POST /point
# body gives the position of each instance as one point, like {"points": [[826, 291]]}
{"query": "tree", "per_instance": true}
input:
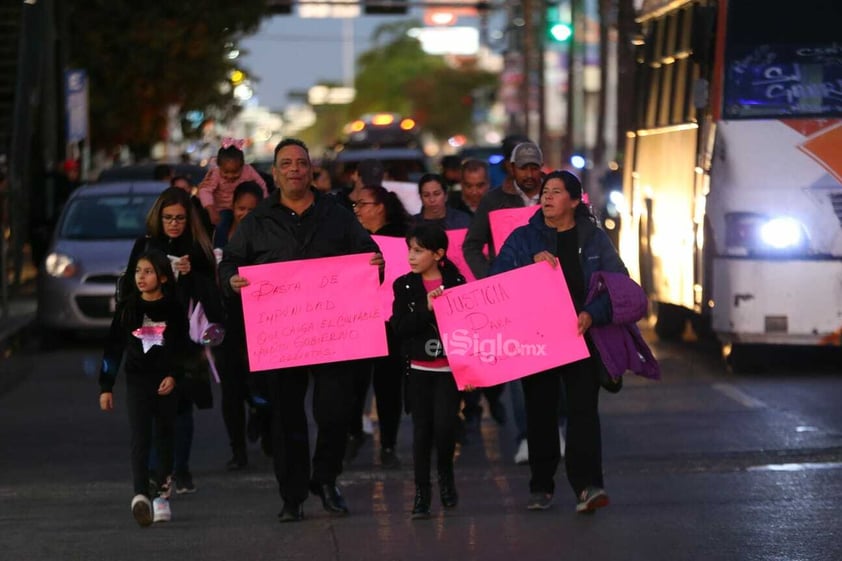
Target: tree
{"points": [[398, 76], [142, 59]]}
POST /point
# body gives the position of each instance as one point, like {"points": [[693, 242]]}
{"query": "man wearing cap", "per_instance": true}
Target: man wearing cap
{"points": [[521, 188]]}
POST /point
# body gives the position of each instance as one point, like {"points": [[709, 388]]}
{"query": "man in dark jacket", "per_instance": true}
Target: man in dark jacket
{"points": [[298, 222]]}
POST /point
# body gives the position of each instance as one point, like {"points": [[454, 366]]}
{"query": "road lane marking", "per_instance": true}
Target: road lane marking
{"points": [[739, 396]]}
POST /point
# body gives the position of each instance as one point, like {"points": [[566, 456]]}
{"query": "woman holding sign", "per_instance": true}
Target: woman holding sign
{"points": [[433, 396], [382, 213], [564, 233]]}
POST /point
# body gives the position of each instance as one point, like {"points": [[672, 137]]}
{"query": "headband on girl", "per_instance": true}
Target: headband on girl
{"points": [[237, 143]]}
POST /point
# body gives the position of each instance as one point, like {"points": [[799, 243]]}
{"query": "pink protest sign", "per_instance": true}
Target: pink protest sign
{"points": [[312, 311], [395, 254], [504, 221], [454, 252], [508, 326]]}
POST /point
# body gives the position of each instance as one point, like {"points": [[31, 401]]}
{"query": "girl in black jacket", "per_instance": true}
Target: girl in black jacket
{"points": [[150, 328], [432, 393]]}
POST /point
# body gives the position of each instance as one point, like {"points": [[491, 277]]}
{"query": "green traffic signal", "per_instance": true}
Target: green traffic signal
{"points": [[559, 28], [560, 32]]}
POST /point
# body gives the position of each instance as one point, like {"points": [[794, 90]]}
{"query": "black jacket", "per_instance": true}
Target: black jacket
{"points": [[199, 285], [272, 233], [412, 322], [162, 359]]}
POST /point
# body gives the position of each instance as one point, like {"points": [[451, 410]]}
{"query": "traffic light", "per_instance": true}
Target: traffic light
{"points": [[279, 7], [559, 28], [385, 7]]}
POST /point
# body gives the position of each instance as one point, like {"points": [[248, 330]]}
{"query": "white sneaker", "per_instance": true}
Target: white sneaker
{"points": [[162, 510], [142, 510], [522, 454], [561, 442]]}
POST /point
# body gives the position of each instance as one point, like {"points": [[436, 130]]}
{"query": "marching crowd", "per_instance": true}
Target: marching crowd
{"points": [[179, 323]]}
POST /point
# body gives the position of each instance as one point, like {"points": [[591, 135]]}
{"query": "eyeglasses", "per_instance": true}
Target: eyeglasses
{"points": [[173, 218], [355, 204]]}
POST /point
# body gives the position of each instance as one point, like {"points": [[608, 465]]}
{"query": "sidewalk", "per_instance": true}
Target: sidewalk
{"points": [[18, 315]]}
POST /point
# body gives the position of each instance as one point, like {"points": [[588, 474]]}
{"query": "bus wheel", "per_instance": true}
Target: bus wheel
{"points": [[745, 359], [671, 322]]}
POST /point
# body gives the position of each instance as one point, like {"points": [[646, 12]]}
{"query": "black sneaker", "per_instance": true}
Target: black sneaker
{"points": [[389, 459], [236, 463], [421, 504], [591, 499], [353, 446], [184, 484], [291, 512], [539, 501]]}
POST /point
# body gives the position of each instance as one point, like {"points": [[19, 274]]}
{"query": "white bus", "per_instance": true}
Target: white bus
{"points": [[733, 172]]}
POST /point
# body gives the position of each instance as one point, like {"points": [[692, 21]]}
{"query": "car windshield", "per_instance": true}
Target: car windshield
{"points": [[106, 217]]}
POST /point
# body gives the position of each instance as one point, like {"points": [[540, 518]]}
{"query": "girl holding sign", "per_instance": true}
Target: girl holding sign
{"points": [[564, 233], [432, 394]]}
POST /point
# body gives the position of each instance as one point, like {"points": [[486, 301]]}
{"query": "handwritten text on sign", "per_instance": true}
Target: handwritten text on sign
{"points": [[312, 311], [508, 326], [504, 221]]}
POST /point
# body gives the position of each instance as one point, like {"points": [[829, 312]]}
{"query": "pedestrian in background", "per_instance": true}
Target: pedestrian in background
{"points": [[381, 213], [563, 232], [233, 362], [474, 185], [432, 188], [150, 328], [432, 394], [216, 191]]}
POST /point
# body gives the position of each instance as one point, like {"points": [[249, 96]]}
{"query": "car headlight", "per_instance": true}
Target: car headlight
{"points": [[60, 266], [748, 233]]}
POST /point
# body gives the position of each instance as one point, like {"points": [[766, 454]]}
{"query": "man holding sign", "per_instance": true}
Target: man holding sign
{"points": [[297, 222]]}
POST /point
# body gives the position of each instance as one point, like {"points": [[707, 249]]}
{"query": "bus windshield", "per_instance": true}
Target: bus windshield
{"points": [[784, 62]]}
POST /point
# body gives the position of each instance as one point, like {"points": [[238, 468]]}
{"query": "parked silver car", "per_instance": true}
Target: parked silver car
{"points": [[88, 251]]}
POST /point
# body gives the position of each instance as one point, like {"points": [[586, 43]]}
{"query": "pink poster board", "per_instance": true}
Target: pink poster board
{"points": [[312, 311], [504, 221], [508, 326], [454, 252], [395, 254]]}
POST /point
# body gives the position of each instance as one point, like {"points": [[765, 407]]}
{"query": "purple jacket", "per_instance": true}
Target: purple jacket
{"points": [[620, 344]]}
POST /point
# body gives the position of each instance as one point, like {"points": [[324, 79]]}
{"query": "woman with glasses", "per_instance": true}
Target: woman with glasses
{"points": [[382, 214], [173, 226], [563, 232]]}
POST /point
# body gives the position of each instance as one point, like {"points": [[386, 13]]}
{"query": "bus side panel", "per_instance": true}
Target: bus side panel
{"points": [[776, 302], [663, 195]]}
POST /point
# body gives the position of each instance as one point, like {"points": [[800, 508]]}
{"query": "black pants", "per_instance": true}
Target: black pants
{"points": [[583, 455], [434, 405], [146, 408], [290, 441], [233, 374]]}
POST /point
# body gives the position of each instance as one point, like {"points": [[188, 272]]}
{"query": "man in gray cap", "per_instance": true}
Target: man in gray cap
{"points": [[521, 188], [524, 190]]}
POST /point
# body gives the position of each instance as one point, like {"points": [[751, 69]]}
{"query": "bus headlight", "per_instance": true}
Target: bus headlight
{"points": [[782, 233], [749, 233]]}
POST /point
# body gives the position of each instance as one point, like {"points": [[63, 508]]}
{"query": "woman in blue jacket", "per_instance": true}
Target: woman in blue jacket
{"points": [[564, 232]]}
